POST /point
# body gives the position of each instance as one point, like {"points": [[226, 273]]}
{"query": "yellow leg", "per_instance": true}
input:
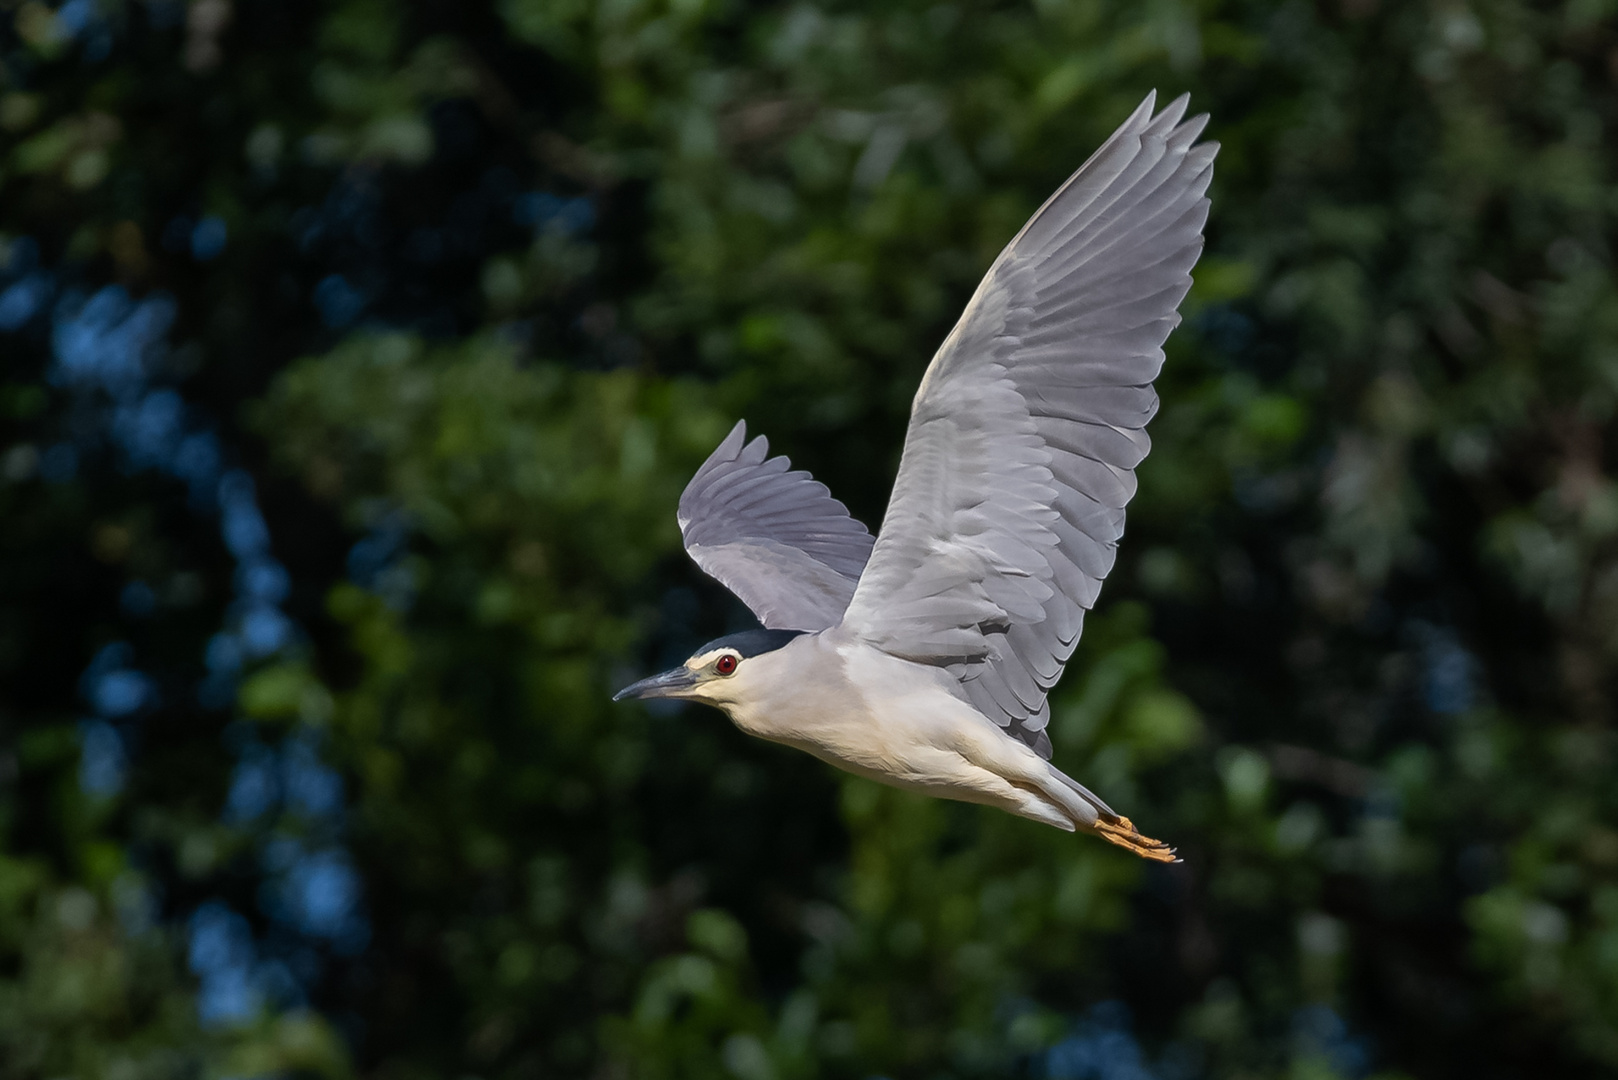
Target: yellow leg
{"points": [[1121, 831]]}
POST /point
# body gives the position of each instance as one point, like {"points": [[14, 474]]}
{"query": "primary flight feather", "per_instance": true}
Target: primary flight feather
{"points": [[923, 658]]}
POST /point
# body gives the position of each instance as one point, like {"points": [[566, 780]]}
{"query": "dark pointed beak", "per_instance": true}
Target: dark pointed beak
{"points": [[669, 684]]}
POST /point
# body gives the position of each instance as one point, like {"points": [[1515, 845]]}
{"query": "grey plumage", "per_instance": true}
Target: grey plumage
{"points": [[1053, 362], [1009, 501], [777, 539]]}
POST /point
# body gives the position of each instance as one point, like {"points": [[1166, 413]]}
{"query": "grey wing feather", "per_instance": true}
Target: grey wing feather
{"points": [[774, 537], [1023, 439]]}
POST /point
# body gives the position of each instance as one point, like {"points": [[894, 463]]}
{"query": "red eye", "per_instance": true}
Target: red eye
{"points": [[725, 665]]}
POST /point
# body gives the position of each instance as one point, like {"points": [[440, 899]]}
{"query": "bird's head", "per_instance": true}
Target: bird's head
{"points": [[719, 673]]}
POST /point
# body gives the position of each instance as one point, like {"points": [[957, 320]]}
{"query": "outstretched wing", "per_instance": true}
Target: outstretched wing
{"points": [[777, 539], [1028, 425]]}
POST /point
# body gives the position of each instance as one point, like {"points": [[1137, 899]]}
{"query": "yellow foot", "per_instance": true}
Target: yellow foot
{"points": [[1121, 831]]}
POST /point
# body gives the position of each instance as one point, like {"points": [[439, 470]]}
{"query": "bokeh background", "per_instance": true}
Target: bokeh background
{"points": [[353, 355]]}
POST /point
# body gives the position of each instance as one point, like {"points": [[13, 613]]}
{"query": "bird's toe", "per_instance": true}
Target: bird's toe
{"points": [[1121, 831]]}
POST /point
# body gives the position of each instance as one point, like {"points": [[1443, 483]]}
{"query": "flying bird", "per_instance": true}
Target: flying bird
{"points": [[922, 658]]}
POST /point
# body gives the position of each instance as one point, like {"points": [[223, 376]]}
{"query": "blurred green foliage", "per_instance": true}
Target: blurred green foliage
{"points": [[493, 279]]}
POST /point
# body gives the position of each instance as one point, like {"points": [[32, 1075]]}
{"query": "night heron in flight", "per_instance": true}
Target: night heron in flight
{"points": [[922, 658]]}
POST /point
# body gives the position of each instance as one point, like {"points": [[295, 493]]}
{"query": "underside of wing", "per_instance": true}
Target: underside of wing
{"points": [[773, 536], [1028, 425]]}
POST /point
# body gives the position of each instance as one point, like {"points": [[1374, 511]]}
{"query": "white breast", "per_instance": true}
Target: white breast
{"points": [[854, 706]]}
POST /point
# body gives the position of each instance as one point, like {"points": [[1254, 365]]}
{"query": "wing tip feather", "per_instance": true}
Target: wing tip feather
{"points": [[731, 444], [1169, 117], [1143, 111]]}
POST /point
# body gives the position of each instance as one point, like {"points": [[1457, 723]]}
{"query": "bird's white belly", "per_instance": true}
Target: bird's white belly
{"points": [[888, 719], [898, 723]]}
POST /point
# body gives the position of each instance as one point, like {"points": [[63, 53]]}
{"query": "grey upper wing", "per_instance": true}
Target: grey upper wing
{"points": [[775, 538], [1029, 422]]}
